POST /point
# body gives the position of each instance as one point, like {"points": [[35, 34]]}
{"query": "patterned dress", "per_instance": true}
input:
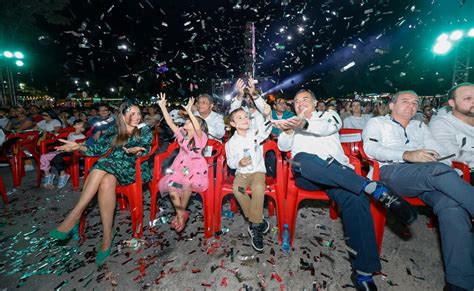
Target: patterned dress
{"points": [[189, 169], [118, 162]]}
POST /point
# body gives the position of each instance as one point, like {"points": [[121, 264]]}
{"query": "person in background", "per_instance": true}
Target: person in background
{"points": [[74, 116], [321, 106], [346, 111], [35, 114], [356, 119], [214, 120], [380, 109], [56, 159], [101, 123], [3, 117], [368, 109], [20, 121], [64, 118], [50, 122], [93, 113], [455, 129], [152, 117], [280, 111]]}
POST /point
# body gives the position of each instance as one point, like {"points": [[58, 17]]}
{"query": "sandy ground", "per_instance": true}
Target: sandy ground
{"points": [[29, 260]]}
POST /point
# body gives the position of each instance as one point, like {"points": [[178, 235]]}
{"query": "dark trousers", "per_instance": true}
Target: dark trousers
{"points": [[452, 200], [344, 186], [58, 161]]}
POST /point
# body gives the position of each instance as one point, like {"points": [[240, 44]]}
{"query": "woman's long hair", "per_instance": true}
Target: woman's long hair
{"points": [[204, 129], [122, 135]]}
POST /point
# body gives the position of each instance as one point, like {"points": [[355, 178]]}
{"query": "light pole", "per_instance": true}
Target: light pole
{"points": [[8, 57], [462, 41]]}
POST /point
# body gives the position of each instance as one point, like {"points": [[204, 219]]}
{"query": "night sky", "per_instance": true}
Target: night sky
{"points": [[389, 41]]}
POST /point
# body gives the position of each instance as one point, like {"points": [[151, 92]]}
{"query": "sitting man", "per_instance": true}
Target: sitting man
{"points": [[455, 129], [319, 163], [408, 155], [214, 120]]}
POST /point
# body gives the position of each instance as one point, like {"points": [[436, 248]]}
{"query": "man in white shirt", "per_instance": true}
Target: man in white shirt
{"points": [[455, 129], [214, 121], [409, 166], [357, 119], [319, 163]]}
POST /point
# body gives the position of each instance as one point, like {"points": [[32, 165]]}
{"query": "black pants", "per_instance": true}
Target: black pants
{"points": [[58, 161]]}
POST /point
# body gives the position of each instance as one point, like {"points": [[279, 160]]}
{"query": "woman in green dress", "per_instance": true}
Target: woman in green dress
{"points": [[126, 141]]}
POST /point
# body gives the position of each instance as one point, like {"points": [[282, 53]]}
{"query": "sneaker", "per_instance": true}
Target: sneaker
{"points": [[398, 206], [256, 236], [48, 181], [363, 283], [265, 226], [29, 168], [62, 181]]}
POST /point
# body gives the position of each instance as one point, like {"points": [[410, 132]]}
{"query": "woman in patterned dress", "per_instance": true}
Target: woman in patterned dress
{"points": [[189, 172], [126, 141]]}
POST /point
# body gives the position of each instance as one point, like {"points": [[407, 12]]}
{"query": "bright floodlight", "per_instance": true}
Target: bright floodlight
{"points": [[228, 97], [470, 33], [443, 37], [112, 89], [442, 47], [456, 35], [19, 55], [19, 63], [8, 54]]}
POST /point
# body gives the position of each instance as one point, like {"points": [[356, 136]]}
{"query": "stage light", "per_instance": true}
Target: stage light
{"points": [[442, 37], [19, 63], [471, 32], [456, 35], [19, 55], [8, 54], [442, 47]]}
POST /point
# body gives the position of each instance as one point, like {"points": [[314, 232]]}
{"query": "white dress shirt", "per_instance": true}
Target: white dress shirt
{"points": [[49, 126], [215, 125], [234, 150], [456, 136], [358, 122], [386, 140], [321, 138], [256, 117]]}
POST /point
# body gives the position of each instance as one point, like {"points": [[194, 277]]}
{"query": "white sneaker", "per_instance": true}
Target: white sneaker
{"points": [[62, 181]]}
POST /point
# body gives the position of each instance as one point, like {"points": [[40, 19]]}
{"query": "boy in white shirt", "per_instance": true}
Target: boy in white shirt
{"points": [[245, 153]]}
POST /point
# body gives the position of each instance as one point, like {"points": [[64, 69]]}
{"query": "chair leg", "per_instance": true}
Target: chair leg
{"points": [[233, 205], [291, 212], [333, 210], [208, 205], [153, 199], [271, 208], [379, 214], [3, 191], [217, 209], [122, 202]]}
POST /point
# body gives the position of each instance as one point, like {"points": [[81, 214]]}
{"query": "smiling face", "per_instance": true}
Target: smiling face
{"points": [[304, 100], [240, 120], [204, 105], [356, 108], [133, 116], [404, 108]]}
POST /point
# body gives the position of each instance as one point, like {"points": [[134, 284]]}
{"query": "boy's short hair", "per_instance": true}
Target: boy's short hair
{"points": [[85, 124], [231, 115]]}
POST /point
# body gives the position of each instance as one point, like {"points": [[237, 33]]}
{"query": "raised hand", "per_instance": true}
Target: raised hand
{"points": [[162, 102], [239, 88], [251, 87], [267, 110], [68, 146], [189, 106]]}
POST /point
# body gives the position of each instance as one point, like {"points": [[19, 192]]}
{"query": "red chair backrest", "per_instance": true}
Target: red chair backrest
{"points": [[351, 141], [27, 140]]}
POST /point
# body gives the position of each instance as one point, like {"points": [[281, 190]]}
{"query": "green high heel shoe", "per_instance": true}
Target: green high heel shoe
{"points": [[74, 232], [102, 255]]}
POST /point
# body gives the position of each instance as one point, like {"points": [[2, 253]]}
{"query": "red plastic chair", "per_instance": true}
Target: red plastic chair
{"points": [[465, 169], [24, 147], [207, 196], [295, 195], [3, 191], [274, 187], [133, 192]]}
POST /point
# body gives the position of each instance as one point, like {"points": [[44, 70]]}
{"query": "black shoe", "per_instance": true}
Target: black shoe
{"points": [[451, 287], [368, 285], [397, 205], [256, 236], [265, 226]]}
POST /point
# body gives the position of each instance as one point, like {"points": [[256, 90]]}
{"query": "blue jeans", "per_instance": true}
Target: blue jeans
{"points": [[452, 200], [344, 186]]}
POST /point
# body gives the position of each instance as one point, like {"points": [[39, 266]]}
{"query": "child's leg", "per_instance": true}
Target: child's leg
{"points": [[241, 183], [186, 195], [45, 162], [59, 164], [257, 185]]}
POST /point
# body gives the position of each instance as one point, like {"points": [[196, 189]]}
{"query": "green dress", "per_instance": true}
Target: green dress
{"points": [[118, 162]]}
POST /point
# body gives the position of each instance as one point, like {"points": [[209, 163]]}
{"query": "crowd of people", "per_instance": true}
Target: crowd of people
{"points": [[415, 151]]}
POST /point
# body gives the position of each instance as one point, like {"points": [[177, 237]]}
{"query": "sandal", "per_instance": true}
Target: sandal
{"points": [[174, 222], [179, 228]]}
